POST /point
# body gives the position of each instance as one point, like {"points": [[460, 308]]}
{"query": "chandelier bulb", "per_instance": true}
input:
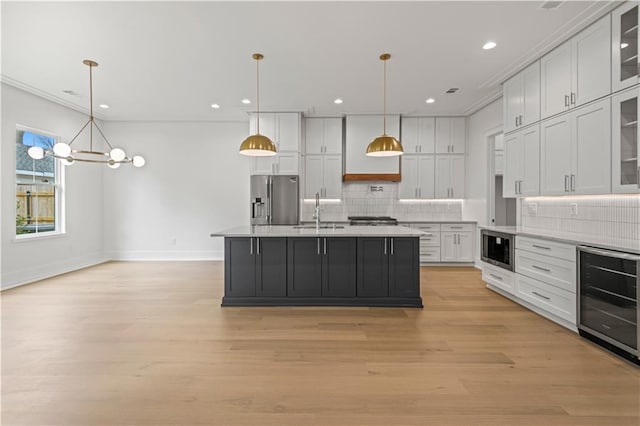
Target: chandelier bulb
{"points": [[138, 161], [36, 152], [61, 149], [117, 154]]}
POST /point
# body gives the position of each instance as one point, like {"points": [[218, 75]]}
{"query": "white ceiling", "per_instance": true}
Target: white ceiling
{"points": [[171, 60]]}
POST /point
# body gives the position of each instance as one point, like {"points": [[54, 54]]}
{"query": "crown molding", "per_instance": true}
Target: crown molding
{"points": [[591, 14], [484, 101], [45, 95]]}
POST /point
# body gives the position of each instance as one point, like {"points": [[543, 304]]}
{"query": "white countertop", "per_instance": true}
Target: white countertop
{"points": [[631, 245], [292, 231]]}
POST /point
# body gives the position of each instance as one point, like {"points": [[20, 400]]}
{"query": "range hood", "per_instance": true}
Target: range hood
{"points": [[360, 131]]}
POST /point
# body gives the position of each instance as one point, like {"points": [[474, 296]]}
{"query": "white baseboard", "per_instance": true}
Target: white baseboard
{"points": [[164, 255], [47, 270]]}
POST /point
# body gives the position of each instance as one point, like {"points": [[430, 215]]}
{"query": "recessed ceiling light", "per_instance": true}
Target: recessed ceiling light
{"points": [[489, 45], [105, 106], [623, 45], [246, 101], [338, 101], [430, 100], [215, 106]]}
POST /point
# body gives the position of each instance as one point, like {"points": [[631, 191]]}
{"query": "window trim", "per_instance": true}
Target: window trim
{"points": [[59, 201]]}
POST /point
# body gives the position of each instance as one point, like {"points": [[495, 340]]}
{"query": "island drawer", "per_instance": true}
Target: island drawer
{"points": [[547, 248]]}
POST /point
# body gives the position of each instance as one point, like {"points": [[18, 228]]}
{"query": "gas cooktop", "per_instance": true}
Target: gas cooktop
{"points": [[372, 220]]}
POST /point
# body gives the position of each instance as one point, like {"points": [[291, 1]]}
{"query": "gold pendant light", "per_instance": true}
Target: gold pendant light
{"points": [[385, 145], [258, 145]]}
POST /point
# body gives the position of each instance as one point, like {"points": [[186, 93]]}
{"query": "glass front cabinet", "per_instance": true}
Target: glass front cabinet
{"points": [[624, 51], [625, 168]]}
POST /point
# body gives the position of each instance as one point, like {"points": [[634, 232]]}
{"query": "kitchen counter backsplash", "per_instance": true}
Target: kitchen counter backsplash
{"points": [[358, 199], [615, 217]]}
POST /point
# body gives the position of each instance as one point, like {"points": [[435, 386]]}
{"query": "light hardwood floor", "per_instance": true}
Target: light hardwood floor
{"points": [[148, 344]]}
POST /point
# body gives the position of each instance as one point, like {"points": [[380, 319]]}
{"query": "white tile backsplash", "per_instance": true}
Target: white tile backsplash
{"points": [[359, 200], [597, 216]]}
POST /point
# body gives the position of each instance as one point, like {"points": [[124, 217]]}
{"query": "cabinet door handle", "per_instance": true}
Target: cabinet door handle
{"points": [[251, 248], [419, 192], [325, 245], [419, 148], [541, 247], [521, 120], [318, 239], [515, 186], [573, 98], [566, 100], [540, 268], [451, 192], [385, 245], [497, 277], [573, 182], [391, 244], [258, 246], [516, 119], [566, 183], [540, 295]]}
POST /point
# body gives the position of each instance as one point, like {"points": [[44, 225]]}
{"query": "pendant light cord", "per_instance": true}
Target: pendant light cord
{"points": [[258, 94], [384, 97], [91, 108]]}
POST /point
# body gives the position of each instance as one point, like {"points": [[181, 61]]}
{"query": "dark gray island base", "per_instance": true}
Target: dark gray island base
{"points": [[332, 268]]}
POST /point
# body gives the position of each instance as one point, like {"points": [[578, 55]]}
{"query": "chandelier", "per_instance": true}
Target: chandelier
{"points": [[114, 158]]}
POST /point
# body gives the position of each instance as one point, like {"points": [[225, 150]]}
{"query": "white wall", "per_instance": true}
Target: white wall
{"points": [[194, 183], [29, 260], [479, 126]]}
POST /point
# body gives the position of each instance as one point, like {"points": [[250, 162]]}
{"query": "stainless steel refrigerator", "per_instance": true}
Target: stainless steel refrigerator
{"points": [[274, 200]]}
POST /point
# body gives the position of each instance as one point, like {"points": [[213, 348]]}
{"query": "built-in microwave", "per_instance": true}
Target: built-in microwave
{"points": [[498, 248]]}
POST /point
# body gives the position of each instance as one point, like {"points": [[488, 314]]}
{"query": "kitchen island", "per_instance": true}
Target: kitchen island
{"points": [[329, 266]]}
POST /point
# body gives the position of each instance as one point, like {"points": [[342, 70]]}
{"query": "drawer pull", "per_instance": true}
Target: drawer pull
{"points": [[541, 268], [540, 295], [496, 277], [541, 247], [455, 227], [428, 235], [605, 326]]}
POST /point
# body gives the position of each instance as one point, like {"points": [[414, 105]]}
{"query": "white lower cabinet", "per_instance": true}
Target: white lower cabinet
{"points": [[456, 243], [558, 302], [498, 277], [429, 242]]}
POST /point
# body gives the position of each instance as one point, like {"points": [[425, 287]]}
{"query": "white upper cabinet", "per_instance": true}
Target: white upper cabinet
{"points": [[418, 135], [450, 135], [323, 135], [575, 151], [418, 177], [360, 131], [625, 173], [323, 174], [522, 98], [578, 71], [624, 45], [522, 163], [449, 176], [282, 128]]}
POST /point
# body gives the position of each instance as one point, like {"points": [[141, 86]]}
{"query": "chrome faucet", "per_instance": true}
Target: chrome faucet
{"points": [[316, 212]]}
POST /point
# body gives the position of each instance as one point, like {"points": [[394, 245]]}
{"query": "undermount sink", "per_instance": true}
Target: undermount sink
{"points": [[321, 227]]}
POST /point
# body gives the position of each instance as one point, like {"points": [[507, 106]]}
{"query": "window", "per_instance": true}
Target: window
{"points": [[38, 186]]}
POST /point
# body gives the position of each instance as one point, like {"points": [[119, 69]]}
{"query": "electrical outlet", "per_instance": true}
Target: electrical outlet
{"points": [[174, 241], [574, 209], [532, 208]]}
